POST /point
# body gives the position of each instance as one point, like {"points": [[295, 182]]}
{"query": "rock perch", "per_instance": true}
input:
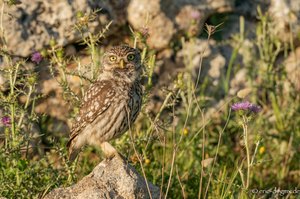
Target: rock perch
{"points": [[113, 178]]}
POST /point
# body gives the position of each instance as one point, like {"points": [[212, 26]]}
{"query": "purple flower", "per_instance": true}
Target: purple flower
{"points": [[5, 121], [36, 57], [195, 14], [255, 108], [246, 106], [241, 106]]}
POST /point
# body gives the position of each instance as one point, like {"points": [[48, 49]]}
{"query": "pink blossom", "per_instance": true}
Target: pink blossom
{"points": [[36, 57], [5, 120], [195, 14]]}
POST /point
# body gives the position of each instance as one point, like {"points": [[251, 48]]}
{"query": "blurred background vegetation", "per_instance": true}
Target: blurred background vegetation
{"points": [[198, 61]]}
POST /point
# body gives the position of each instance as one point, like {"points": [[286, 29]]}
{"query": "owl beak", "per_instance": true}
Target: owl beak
{"points": [[121, 63]]}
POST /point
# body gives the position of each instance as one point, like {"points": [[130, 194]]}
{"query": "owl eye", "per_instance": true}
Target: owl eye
{"points": [[130, 57], [112, 58]]}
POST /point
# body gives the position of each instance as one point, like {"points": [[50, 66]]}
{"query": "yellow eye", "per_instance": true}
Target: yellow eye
{"points": [[112, 58], [130, 57]]}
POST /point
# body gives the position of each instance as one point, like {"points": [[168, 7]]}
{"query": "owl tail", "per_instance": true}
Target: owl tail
{"points": [[73, 151]]}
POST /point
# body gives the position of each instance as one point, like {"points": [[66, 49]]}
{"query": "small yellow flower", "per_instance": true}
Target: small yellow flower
{"points": [[262, 149], [185, 131], [147, 161]]}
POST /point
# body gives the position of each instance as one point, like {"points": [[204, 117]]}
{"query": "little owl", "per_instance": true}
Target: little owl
{"points": [[111, 104]]}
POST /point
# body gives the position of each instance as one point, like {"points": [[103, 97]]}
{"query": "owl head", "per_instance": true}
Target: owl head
{"points": [[122, 62]]}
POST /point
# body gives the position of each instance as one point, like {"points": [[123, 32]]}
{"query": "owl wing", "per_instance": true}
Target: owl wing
{"points": [[96, 101]]}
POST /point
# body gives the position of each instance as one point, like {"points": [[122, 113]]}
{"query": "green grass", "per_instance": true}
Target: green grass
{"points": [[180, 147]]}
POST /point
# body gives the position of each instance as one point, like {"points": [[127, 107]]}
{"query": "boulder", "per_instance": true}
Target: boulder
{"points": [[285, 15], [163, 19], [112, 178], [292, 68], [213, 62], [29, 26]]}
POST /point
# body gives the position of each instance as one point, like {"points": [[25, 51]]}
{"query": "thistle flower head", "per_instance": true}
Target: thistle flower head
{"points": [[255, 108], [246, 106], [5, 120], [36, 57]]}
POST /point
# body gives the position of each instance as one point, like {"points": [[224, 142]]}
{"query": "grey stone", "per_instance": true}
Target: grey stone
{"points": [[165, 18], [29, 26], [285, 16], [238, 82], [292, 67], [213, 62], [112, 178]]}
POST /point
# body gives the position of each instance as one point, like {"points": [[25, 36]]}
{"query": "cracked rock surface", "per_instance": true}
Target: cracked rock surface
{"points": [[112, 178]]}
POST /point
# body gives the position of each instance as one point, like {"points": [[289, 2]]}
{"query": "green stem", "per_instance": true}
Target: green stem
{"points": [[230, 65], [6, 137], [93, 53], [151, 66], [13, 126], [2, 39], [159, 113], [26, 106], [12, 80], [245, 128]]}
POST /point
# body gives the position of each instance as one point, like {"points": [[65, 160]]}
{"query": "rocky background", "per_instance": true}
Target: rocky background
{"points": [[31, 27], [174, 30]]}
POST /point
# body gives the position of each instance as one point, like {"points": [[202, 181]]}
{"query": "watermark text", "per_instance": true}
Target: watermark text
{"points": [[276, 191]]}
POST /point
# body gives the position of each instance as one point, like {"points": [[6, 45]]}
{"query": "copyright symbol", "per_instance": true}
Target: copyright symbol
{"points": [[254, 191]]}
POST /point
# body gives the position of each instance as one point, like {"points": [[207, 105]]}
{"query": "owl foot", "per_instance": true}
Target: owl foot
{"points": [[109, 151]]}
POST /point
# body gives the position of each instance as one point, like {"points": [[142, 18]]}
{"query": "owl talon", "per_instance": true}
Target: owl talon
{"points": [[110, 156], [108, 150]]}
